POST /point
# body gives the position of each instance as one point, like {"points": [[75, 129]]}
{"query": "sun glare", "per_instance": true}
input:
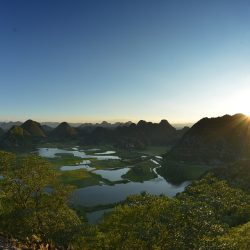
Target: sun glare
{"points": [[239, 103]]}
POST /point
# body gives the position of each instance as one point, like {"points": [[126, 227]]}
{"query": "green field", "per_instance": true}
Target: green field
{"points": [[177, 172], [80, 178], [107, 164], [64, 160], [152, 151], [142, 171], [141, 168]]}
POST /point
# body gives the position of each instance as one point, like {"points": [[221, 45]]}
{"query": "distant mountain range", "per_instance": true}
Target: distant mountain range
{"points": [[126, 135], [7, 125], [209, 141]]}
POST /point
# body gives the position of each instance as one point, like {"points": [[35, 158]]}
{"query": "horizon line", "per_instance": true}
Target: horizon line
{"points": [[114, 120], [98, 121]]}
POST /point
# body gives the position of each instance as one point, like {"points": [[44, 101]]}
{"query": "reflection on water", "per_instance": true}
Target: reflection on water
{"points": [[105, 194], [154, 161], [112, 175], [70, 168], [96, 195], [106, 153], [158, 157]]}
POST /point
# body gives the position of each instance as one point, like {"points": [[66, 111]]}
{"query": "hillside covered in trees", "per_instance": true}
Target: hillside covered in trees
{"points": [[215, 140], [212, 213], [128, 136]]}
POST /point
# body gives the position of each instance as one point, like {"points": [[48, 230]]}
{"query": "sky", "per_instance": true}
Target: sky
{"points": [[93, 60]]}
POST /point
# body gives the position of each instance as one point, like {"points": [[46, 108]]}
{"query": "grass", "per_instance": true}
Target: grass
{"points": [[177, 172], [64, 160], [64, 145], [149, 151], [80, 178], [195, 171], [152, 151], [142, 171], [128, 154], [101, 148]]}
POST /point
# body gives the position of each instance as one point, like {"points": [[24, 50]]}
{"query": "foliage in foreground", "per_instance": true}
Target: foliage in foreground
{"points": [[33, 205], [236, 173], [208, 215]]}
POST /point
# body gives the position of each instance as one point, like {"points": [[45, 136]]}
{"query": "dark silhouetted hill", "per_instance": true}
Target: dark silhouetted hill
{"points": [[132, 136], [34, 129], [215, 140], [25, 136], [1, 132], [126, 135], [16, 137], [104, 124], [47, 129], [63, 132]]}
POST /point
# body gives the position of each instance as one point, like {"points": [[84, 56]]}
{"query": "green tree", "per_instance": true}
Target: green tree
{"points": [[202, 217], [33, 203], [151, 222], [237, 238], [231, 205]]}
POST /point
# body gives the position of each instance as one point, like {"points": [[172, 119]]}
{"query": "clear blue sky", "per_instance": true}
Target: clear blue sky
{"points": [[123, 59]]}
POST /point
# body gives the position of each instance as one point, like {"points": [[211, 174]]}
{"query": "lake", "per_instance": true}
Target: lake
{"points": [[107, 194], [112, 175], [53, 152]]}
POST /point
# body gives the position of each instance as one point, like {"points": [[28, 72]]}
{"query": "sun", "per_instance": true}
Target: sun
{"points": [[239, 103]]}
